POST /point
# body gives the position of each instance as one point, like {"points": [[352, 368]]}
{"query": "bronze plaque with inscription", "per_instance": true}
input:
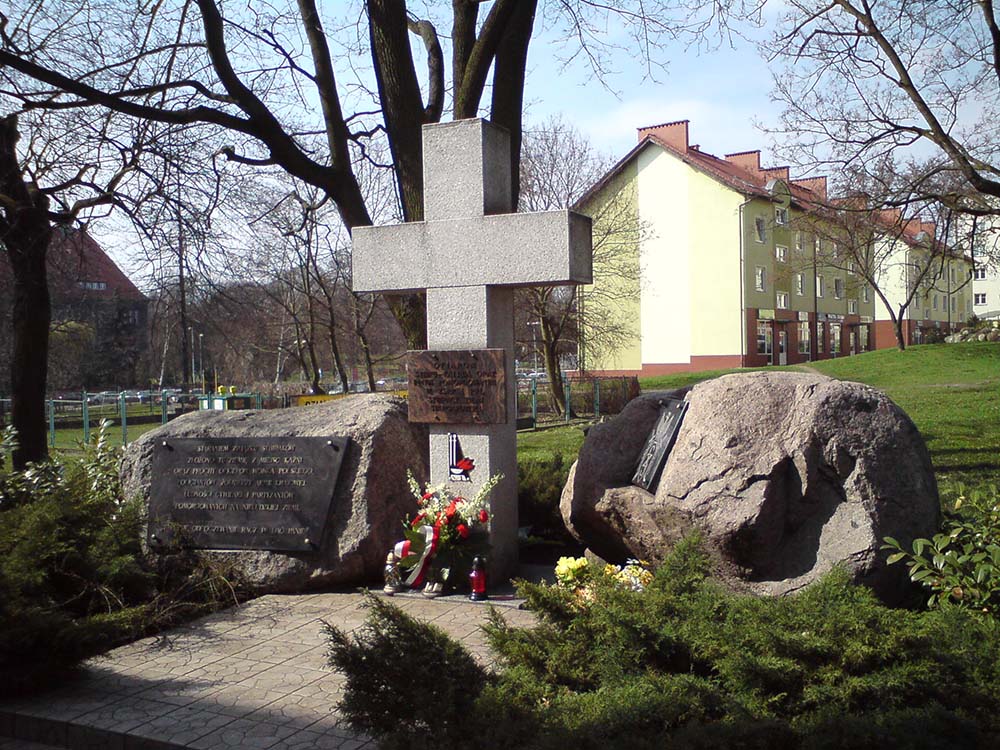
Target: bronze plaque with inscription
{"points": [[243, 493], [457, 387]]}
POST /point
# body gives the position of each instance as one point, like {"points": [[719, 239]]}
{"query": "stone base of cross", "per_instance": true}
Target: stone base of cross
{"points": [[469, 254]]}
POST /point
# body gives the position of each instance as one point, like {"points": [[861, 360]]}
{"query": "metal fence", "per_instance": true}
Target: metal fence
{"points": [[72, 423], [588, 398]]}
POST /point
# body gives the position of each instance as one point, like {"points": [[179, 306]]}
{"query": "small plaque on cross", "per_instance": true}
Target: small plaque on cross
{"points": [[658, 444], [457, 387]]}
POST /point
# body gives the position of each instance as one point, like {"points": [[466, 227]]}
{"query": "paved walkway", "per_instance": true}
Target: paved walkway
{"points": [[254, 676]]}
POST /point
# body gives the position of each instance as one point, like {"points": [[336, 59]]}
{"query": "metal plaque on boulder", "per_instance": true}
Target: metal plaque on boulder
{"points": [[457, 387], [270, 493], [658, 444]]}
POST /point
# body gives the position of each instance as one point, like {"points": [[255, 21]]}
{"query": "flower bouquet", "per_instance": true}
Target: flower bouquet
{"points": [[445, 534], [579, 576]]}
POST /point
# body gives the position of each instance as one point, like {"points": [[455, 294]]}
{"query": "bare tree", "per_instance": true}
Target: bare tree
{"points": [[65, 168], [900, 257], [251, 72], [558, 166], [895, 81]]}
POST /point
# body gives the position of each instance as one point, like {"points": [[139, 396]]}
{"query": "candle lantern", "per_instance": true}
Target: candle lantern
{"points": [[393, 581], [477, 580]]}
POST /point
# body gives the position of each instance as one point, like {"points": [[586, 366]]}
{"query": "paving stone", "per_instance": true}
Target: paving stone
{"points": [[308, 740], [62, 704], [183, 725], [12, 744], [125, 714], [281, 651], [244, 734], [237, 701]]}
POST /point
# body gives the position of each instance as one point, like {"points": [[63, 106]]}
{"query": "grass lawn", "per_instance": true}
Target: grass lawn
{"points": [[951, 391]]}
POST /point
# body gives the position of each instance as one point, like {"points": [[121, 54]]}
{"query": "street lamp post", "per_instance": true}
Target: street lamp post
{"points": [[534, 344], [201, 359], [191, 332]]}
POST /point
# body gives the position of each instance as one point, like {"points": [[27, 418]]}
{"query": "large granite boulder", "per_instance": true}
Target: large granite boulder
{"points": [[784, 474], [371, 498]]}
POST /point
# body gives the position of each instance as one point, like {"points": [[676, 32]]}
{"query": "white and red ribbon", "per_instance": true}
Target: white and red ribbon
{"points": [[402, 549]]}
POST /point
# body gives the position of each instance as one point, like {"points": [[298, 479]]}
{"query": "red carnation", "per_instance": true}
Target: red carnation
{"points": [[463, 530], [483, 516], [450, 510]]}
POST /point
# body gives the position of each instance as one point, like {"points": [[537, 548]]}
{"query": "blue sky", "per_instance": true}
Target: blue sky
{"points": [[724, 92]]}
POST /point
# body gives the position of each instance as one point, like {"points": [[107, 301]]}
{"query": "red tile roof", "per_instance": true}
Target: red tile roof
{"points": [[740, 171], [75, 259]]}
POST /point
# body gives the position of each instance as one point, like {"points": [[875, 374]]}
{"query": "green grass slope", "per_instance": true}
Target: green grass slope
{"points": [[952, 393]]}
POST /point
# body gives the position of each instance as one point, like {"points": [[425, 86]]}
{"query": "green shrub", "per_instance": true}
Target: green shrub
{"points": [[540, 484], [392, 694], [961, 565], [686, 664], [73, 578]]}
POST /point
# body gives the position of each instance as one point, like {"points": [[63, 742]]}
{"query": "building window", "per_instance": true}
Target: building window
{"points": [[927, 314], [952, 276], [95, 285], [838, 288], [835, 338], [820, 337], [764, 337], [934, 302], [865, 294], [798, 242], [781, 300], [850, 267], [803, 338], [980, 298], [781, 253], [979, 274], [863, 334], [816, 245], [819, 286], [800, 284], [781, 216], [852, 307], [760, 229], [759, 278]]}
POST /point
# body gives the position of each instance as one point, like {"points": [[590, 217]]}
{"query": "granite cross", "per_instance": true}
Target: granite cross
{"points": [[469, 254]]}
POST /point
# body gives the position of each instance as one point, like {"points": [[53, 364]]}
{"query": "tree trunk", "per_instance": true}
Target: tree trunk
{"points": [[25, 232], [556, 389], [897, 325]]}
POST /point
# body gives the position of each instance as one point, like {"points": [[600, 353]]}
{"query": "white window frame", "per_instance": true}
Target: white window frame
{"points": [[781, 216], [804, 341], [934, 302], [781, 300], [835, 339], [865, 294], [760, 278], [850, 267], [838, 288], [765, 338], [979, 274], [781, 253], [979, 298], [760, 229], [852, 307], [819, 285], [800, 284]]}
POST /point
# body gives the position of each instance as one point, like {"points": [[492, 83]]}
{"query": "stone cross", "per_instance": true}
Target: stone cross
{"points": [[469, 253]]}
